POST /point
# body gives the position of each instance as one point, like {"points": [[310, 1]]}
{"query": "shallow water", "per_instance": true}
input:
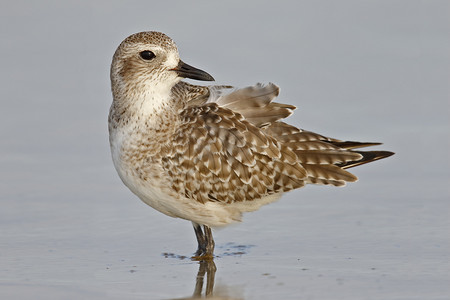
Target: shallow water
{"points": [[297, 248], [376, 71]]}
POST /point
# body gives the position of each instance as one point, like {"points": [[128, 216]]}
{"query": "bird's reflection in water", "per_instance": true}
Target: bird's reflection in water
{"points": [[207, 270]]}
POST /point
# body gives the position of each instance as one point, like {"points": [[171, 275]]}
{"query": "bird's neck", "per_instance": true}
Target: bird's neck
{"points": [[149, 119], [145, 103]]}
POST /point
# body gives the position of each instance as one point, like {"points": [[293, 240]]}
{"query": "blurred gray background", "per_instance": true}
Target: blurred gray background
{"points": [[356, 70]]}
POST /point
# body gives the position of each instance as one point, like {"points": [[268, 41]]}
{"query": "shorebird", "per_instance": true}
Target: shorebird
{"points": [[207, 154]]}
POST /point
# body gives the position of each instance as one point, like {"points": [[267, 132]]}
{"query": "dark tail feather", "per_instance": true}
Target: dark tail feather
{"points": [[368, 156], [353, 145]]}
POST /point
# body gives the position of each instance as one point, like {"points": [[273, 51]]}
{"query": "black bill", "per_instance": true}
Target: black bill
{"points": [[187, 71]]}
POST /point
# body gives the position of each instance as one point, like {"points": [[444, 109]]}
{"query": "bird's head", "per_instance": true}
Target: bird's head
{"points": [[149, 61]]}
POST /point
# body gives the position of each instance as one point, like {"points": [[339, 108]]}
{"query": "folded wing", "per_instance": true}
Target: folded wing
{"points": [[233, 146]]}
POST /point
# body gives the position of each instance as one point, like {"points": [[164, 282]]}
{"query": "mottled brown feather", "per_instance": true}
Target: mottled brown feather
{"points": [[228, 153], [237, 141]]}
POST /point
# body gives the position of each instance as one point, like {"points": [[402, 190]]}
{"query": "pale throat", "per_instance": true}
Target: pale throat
{"points": [[150, 98], [153, 109]]}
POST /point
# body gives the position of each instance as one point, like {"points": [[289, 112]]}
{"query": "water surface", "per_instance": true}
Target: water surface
{"points": [[372, 71]]}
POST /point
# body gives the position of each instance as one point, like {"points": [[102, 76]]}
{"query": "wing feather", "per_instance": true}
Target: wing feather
{"points": [[227, 153], [232, 146]]}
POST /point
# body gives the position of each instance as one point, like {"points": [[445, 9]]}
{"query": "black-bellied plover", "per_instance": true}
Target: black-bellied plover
{"points": [[209, 153]]}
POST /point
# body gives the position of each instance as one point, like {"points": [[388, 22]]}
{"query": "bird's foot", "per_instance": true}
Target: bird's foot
{"points": [[203, 255]]}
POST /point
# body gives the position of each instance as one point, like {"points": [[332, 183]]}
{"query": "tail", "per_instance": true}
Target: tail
{"points": [[367, 156], [324, 159], [335, 173]]}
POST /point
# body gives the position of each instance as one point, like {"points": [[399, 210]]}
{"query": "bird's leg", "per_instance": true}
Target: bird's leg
{"points": [[205, 241], [209, 242], [201, 250]]}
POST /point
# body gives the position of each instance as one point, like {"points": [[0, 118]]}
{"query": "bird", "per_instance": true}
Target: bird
{"points": [[208, 154]]}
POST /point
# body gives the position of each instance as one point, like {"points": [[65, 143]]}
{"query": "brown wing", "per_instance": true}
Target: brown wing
{"points": [[323, 158], [233, 147], [255, 104], [219, 156]]}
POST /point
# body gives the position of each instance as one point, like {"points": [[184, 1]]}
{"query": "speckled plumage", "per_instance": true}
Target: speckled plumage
{"points": [[209, 153]]}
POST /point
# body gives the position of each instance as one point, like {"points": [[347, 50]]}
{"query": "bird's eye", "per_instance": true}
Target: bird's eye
{"points": [[147, 55]]}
